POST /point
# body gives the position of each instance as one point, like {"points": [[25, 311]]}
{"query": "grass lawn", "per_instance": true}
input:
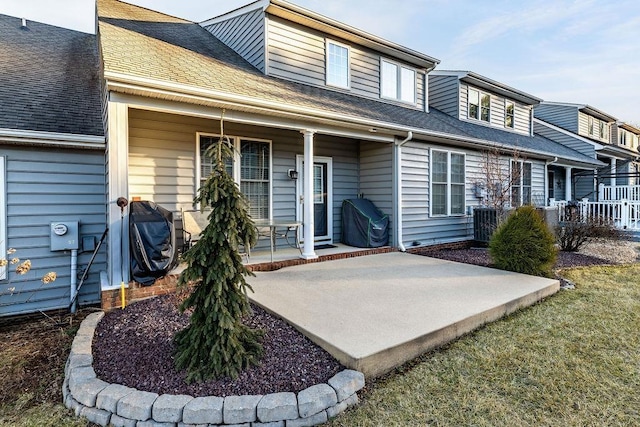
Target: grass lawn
{"points": [[572, 360]]}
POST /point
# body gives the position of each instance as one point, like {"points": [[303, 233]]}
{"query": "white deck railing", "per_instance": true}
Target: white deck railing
{"points": [[623, 214], [619, 192]]}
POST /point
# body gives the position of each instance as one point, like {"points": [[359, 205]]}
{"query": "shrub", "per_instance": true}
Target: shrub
{"points": [[573, 234], [524, 244]]}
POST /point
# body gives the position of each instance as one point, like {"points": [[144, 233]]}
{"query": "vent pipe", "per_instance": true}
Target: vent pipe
{"points": [[24, 24]]}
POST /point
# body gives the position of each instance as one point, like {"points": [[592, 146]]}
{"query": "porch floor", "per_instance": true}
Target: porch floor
{"points": [[376, 312]]}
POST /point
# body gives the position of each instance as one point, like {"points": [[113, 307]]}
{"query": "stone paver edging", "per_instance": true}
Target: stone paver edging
{"points": [[114, 404]]}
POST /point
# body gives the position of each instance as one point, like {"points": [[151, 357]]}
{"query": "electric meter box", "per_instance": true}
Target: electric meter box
{"points": [[64, 235]]}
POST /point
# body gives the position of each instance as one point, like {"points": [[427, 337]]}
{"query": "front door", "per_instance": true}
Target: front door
{"points": [[322, 197]]}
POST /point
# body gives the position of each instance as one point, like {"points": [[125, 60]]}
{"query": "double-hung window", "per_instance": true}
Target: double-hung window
{"points": [[520, 183], [603, 130], [479, 105], [623, 137], [250, 168], [337, 65], [590, 125], [447, 183], [397, 82], [509, 114]]}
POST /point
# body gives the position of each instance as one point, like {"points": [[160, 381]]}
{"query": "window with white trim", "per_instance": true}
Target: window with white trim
{"points": [[622, 137], [590, 125], [337, 65], [520, 183], [603, 129], [479, 105], [3, 217], [250, 168], [509, 114], [447, 183], [397, 82]]}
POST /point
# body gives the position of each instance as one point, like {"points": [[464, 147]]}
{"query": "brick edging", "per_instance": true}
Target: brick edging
{"points": [[103, 403]]}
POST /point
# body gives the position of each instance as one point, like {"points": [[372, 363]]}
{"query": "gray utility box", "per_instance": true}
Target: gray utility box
{"points": [[64, 235]]}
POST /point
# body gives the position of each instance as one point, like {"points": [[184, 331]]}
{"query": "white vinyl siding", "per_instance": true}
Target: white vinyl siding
{"points": [[398, 82], [251, 170], [338, 65], [447, 183], [3, 217], [494, 108], [593, 128]]}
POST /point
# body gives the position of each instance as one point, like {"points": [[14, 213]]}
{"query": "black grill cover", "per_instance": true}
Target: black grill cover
{"points": [[363, 224], [153, 241]]}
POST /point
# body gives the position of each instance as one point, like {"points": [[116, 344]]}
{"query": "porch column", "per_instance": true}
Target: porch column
{"points": [[308, 251], [613, 179], [567, 183], [118, 186]]}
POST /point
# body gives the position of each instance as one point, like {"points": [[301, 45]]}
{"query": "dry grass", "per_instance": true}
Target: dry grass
{"points": [[572, 361]]}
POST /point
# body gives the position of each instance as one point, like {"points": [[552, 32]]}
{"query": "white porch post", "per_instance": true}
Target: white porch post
{"points": [[308, 251], [567, 183], [118, 149], [614, 181]]}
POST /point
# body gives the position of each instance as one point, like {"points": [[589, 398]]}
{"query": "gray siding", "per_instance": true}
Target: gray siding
{"points": [[564, 139], [376, 176], [46, 185], [245, 35], [422, 229], [583, 187], [444, 94], [562, 116], [162, 161], [522, 120], [298, 53]]}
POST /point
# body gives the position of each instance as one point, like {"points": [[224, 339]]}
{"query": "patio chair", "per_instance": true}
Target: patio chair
{"points": [[194, 223]]}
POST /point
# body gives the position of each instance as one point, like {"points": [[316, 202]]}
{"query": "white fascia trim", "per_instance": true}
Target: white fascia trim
{"points": [[595, 145], [52, 138], [158, 87], [260, 4]]}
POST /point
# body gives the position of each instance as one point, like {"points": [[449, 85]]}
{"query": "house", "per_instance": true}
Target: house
{"points": [[596, 134], [51, 163], [290, 87]]}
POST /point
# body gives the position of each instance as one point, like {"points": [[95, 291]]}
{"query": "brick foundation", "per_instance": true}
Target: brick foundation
{"points": [[167, 285], [423, 250]]}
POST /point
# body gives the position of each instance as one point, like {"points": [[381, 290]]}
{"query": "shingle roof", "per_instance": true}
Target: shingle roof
{"points": [[144, 43], [49, 79]]}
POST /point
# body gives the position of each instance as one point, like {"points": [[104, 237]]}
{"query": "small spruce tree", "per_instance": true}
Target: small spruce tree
{"points": [[216, 343], [524, 244]]}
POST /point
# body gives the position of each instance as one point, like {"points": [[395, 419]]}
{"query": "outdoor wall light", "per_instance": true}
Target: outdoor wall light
{"points": [[293, 174]]}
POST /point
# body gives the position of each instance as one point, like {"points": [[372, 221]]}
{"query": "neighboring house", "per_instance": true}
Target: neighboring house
{"points": [[51, 160], [294, 88], [594, 133]]}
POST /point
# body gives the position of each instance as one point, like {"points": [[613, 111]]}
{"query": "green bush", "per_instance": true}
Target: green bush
{"points": [[524, 244]]}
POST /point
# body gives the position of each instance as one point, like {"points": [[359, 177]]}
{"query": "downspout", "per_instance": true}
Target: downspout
{"points": [[398, 201]]}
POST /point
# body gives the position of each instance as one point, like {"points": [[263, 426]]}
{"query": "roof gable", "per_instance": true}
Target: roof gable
{"points": [[49, 79]]}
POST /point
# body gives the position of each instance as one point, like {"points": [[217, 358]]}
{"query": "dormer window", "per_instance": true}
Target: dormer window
{"points": [[509, 114], [590, 125], [337, 65], [603, 130], [397, 82], [479, 105]]}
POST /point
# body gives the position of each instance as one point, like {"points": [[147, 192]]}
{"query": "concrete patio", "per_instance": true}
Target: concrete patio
{"points": [[376, 312]]}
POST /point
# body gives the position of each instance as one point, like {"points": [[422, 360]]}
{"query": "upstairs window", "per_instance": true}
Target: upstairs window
{"points": [[603, 130], [509, 114], [479, 105], [447, 183], [337, 65], [590, 125], [623, 137], [397, 82], [520, 183]]}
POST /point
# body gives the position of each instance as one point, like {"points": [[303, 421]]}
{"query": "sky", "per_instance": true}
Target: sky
{"points": [[575, 51]]}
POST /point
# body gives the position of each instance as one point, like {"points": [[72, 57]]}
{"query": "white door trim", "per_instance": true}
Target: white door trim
{"points": [[328, 238]]}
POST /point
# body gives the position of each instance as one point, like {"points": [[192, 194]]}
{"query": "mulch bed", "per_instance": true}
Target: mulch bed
{"points": [[134, 347]]}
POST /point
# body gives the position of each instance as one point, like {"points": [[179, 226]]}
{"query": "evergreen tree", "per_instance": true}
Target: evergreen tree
{"points": [[216, 343]]}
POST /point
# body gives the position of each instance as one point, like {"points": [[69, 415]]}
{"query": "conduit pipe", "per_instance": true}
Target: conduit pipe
{"points": [[398, 201], [74, 280]]}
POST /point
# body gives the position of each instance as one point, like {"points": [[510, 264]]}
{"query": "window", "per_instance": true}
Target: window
{"points": [[603, 130], [479, 105], [447, 183], [509, 117], [251, 169], [3, 217], [623, 137], [520, 183], [397, 82], [337, 65], [590, 125]]}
